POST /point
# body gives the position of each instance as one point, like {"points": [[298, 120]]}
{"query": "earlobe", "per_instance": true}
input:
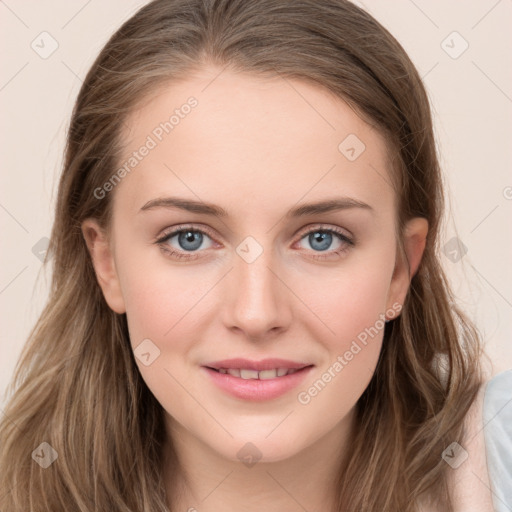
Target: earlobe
{"points": [[104, 265], [414, 243]]}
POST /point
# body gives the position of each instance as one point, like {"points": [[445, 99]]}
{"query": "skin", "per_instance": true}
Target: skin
{"points": [[256, 147]]}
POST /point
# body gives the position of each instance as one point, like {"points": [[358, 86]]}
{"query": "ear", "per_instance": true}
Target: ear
{"points": [[414, 241], [102, 257]]}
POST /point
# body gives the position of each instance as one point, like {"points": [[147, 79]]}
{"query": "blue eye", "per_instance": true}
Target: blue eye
{"points": [[321, 239], [189, 240], [322, 242]]}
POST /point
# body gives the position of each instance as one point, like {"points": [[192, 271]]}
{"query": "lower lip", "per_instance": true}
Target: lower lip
{"points": [[256, 390]]}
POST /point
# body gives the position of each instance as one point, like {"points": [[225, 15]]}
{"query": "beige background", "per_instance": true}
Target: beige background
{"points": [[471, 97]]}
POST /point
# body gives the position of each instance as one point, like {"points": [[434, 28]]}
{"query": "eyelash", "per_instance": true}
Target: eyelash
{"points": [[191, 256]]}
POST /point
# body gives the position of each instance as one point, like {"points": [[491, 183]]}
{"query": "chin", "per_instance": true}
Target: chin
{"points": [[257, 449]]}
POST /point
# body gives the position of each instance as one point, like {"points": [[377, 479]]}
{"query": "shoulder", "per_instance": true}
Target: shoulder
{"points": [[473, 479], [497, 416]]}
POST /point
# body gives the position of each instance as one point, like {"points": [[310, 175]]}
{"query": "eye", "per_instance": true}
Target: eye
{"points": [[183, 241], [188, 239], [321, 239]]}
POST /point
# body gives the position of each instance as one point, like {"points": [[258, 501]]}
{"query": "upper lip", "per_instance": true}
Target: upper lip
{"points": [[264, 364]]}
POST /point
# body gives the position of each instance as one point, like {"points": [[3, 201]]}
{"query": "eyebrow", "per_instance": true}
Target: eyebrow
{"points": [[190, 205]]}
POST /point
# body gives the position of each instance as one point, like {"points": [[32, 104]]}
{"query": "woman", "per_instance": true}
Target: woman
{"points": [[305, 351]]}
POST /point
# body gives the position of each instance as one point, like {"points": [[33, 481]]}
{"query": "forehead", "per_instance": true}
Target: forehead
{"points": [[238, 139]]}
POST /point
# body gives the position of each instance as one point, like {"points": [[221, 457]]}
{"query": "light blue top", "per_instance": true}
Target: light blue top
{"points": [[497, 425]]}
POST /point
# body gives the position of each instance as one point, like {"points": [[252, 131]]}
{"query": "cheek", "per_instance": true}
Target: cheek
{"points": [[351, 301], [163, 305], [160, 301], [353, 309]]}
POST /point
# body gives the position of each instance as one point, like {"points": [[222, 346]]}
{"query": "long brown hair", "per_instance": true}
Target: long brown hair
{"points": [[76, 385]]}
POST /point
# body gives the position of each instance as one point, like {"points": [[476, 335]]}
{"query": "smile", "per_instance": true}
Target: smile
{"points": [[257, 385]]}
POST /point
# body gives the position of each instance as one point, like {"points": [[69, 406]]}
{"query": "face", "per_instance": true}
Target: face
{"points": [[215, 254]]}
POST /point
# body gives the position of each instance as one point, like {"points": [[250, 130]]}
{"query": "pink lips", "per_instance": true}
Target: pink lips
{"points": [[254, 389]]}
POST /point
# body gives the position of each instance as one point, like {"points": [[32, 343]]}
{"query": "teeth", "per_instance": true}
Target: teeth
{"points": [[261, 375], [267, 374], [249, 374]]}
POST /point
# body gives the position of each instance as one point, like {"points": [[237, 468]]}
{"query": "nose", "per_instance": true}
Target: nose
{"points": [[257, 301]]}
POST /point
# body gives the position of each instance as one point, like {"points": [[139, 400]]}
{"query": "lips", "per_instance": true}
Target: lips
{"points": [[257, 380]]}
